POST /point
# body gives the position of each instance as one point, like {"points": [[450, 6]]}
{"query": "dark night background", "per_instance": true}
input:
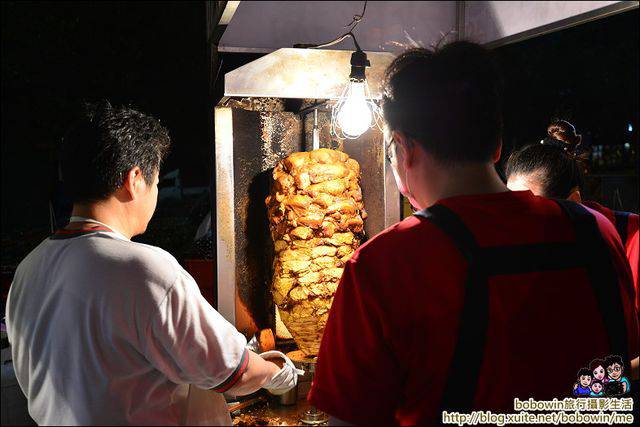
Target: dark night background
{"points": [[154, 57]]}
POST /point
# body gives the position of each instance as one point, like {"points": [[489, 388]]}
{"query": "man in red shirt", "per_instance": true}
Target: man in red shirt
{"points": [[483, 296]]}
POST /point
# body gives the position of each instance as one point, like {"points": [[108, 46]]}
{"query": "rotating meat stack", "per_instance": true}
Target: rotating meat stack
{"points": [[316, 215]]}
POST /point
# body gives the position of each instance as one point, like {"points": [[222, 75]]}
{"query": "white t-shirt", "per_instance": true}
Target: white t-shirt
{"points": [[107, 331]]}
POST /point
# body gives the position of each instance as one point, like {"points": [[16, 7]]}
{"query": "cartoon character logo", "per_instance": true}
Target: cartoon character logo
{"points": [[617, 384], [597, 368], [597, 389], [604, 377], [583, 383]]}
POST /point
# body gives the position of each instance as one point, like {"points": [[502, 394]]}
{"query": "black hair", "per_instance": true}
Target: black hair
{"points": [[557, 171], [564, 131], [596, 382], [104, 144], [611, 360], [585, 372], [595, 363], [449, 99], [563, 134]]}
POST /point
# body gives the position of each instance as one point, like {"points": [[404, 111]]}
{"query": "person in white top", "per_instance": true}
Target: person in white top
{"points": [[107, 331]]}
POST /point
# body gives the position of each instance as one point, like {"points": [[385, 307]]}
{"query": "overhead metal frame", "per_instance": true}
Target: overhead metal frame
{"points": [[583, 18], [436, 17], [303, 74]]}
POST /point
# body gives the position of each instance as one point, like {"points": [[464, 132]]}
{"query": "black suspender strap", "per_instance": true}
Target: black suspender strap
{"points": [[589, 252], [622, 224], [464, 372], [602, 275], [521, 259]]}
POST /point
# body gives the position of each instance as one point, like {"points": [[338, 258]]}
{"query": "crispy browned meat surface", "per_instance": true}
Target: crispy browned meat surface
{"points": [[253, 420], [316, 216]]}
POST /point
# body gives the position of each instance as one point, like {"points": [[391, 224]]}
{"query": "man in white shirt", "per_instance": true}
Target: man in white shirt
{"points": [[108, 331]]}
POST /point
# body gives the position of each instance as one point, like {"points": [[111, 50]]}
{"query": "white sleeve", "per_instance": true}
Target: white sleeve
{"points": [[191, 343]]}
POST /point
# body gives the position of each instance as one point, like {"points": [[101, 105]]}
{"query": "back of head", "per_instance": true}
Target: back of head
{"points": [[448, 99], [104, 145], [556, 171]]}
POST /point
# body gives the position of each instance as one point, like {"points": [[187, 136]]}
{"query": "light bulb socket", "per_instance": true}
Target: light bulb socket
{"points": [[359, 62]]}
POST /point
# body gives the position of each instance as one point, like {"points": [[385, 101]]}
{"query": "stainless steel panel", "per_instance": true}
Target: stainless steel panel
{"points": [[243, 174], [391, 26], [225, 219], [302, 73], [388, 25], [368, 150], [500, 22]]}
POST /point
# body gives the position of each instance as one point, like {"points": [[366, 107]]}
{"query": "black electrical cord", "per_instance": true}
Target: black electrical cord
{"points": [[338, 40], [357, 18], [353, 24]]}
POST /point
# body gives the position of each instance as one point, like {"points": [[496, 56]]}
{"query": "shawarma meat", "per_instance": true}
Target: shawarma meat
{"points": [[316, 217]]}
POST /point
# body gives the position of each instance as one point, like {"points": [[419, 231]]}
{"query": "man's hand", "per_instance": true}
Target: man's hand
{"points": [[259, 372], [276, 360], [277, 378], [286, 378], [262, 341]]}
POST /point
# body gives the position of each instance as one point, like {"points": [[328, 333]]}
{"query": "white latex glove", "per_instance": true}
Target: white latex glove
{"points": [[286, 378], [253, 344]]}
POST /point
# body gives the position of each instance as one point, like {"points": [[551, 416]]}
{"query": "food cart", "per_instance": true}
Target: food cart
{"points": [[277, 104]]}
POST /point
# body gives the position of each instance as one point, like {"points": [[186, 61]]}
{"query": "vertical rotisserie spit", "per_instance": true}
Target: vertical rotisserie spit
{"points": [[316, 218]]}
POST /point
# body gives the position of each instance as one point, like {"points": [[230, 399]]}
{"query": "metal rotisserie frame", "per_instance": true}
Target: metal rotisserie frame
{"points": [[263, 118]]}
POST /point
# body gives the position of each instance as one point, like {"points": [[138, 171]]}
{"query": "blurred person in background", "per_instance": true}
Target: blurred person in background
{"points": [[556, 168]]}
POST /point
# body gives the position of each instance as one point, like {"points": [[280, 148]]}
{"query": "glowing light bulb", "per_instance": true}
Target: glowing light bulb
{"points": [[354, 117]]}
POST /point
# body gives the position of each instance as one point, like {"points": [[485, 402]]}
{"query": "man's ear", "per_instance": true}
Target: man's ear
{"points": [[404, 148], [575, 196], [134, 182]]}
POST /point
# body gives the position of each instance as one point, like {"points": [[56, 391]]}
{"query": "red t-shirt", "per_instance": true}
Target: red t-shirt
{"points": [[631, 245], [393, 325]]}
